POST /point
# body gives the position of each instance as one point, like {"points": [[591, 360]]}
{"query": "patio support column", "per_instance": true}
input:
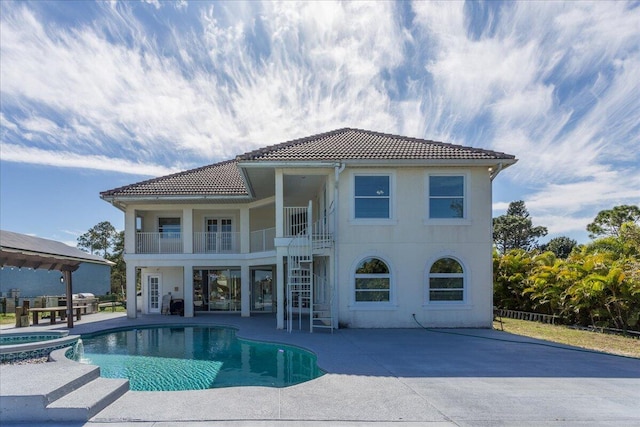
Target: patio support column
{"points": [[67, 281], [245, 291], [132, 309], [280, 291], [188, 290]]}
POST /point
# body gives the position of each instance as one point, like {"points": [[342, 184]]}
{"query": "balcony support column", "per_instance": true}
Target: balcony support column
{"points": [[279, 203], [187, 230], [245, 231], [130, 230]]}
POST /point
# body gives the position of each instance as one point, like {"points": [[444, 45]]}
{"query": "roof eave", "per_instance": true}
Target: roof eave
{"points": [[121, 201], [376, 162]]}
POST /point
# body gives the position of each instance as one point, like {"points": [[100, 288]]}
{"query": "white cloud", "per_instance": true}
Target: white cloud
{"points": [[554, 83], [22, 154]]}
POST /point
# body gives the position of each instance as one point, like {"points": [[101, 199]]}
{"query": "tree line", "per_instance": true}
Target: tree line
{"points": [[594, 284], [103, 239]]}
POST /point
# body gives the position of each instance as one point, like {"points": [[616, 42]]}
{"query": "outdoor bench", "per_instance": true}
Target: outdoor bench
{"points": [[53, 312], [112, 304]]}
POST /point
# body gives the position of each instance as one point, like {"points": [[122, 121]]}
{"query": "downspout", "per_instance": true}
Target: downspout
{"points": [[495, 173], [338, 168], [492, 175]]}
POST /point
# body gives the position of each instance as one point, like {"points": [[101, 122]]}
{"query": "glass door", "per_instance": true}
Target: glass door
{"points": [[217, 290], [262, 290], [226, 235], [153, 283], [212, 235], [219, 235]]}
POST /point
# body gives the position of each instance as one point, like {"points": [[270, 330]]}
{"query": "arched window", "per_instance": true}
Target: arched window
{"points": [[446, 280], [372, 281]]}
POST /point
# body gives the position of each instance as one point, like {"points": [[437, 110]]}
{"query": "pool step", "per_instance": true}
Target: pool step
{"points": [[61, 390], [86, 401]]}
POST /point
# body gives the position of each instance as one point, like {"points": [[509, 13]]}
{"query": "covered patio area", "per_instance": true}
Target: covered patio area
{"points": [[23, 251]]}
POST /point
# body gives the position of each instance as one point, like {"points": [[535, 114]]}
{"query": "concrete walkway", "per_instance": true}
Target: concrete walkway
{"points": [[415, 376]]}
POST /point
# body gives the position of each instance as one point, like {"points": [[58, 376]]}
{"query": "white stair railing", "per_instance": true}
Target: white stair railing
{"points": [[306, 291], [300, 273]]}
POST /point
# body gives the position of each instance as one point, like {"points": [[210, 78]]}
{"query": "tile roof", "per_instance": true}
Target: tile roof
{"points": [[218, 179], [358, 144], [224, 179]]}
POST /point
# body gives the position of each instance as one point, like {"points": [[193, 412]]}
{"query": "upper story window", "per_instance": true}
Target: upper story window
{"points": [[446, 197], [372, 281], [169, 228], [372, 197], [446, 280]]}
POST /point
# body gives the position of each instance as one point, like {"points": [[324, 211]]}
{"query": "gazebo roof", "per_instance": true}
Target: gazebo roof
{"points": [[21, 250]]}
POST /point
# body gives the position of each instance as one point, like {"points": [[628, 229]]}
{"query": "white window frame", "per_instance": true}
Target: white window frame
{"points": [[465, 282], [392, 199], [224, 239], [169, 234], [466, 219], [373, 305]]}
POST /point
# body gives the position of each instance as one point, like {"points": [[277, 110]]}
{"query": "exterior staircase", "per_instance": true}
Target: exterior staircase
{"points": [[308, 293]]}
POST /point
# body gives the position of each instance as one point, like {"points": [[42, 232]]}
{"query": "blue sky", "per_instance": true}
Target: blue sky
{"points": [[95, 95]]}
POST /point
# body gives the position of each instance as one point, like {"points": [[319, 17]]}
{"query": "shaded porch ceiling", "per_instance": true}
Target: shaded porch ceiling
{"points": [[298, 189]]}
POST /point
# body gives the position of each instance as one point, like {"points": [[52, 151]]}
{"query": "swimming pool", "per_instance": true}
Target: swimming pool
{"points": [[194, 358]]}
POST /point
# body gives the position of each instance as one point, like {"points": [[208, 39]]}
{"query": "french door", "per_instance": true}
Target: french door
{"points": [[219, 235], [153, 291]]}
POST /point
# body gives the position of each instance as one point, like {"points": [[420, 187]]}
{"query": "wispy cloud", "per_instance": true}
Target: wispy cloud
{"points": [[65, 159], [554, 83], [175, 85]]}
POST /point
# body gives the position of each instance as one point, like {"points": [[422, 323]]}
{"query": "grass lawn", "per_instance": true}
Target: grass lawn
{"points": [[8, 318], [606, 343]]}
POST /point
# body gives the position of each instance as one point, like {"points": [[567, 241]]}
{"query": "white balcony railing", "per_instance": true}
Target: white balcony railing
{"points": [[216, 243], [263, 240], [159, 243], [295, 221]]}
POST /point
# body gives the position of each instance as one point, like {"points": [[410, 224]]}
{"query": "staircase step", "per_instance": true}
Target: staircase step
{"points": [[88, 400]]}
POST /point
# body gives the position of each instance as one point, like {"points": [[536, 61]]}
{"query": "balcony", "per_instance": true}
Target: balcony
{"points": [[216, 243], [159, 243], [263, 240], [203, 242]]}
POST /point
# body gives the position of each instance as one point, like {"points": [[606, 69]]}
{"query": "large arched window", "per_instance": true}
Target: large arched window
{"points": [[446, 280], [372, 281]]}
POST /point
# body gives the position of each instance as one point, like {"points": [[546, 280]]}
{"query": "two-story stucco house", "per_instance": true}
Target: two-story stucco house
{"points": [[350, 227]]}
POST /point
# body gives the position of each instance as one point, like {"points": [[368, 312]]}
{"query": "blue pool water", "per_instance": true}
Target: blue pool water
{"points": [[194, 358]]}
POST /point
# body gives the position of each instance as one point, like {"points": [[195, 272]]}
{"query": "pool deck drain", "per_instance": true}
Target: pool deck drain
{"points": [[440, 377]]}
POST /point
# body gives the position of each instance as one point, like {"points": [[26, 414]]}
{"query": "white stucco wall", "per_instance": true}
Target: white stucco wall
{"points": [[409, 243]]}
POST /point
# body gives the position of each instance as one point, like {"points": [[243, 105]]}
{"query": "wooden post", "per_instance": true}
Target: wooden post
{"points": [[67, 281]]}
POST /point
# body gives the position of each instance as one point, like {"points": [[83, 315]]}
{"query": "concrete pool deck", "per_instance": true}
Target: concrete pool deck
{"points": [[455, 377]]}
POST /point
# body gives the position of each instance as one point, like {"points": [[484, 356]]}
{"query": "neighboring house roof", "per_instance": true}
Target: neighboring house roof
{"points": [[21, 250], [225, 179], [358, 144]]}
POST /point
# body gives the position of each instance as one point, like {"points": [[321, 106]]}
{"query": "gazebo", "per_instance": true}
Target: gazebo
{"points": [[23, 251]]}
